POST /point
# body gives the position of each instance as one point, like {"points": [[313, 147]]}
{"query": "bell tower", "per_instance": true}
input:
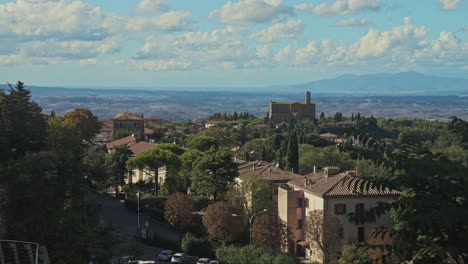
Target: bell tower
{"points": [[307, 99]]}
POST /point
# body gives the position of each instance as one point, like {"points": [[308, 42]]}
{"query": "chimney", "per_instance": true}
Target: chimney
{"points": [[254, 167], [325, 173], [330, 171], [315, 169], [235, 159]]}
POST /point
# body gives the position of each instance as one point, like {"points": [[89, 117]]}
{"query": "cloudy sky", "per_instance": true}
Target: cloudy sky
{"points": [[214, 43]]}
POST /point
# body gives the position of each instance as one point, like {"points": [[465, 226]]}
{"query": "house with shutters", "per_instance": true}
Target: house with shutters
{"points": [[327, 190]]}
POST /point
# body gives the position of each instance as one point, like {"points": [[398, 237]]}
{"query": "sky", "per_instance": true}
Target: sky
{"points": [[218, 43]]}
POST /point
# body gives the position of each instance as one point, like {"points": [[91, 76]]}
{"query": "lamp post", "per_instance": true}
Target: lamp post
{"points": [[250, 223], [138, 212]]}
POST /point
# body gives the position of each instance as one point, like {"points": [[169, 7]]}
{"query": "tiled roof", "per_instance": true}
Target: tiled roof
{"points": [[266, 171], [336, 185], [329, 135], [140, 147], [260, 126], [149, 131], [119, 142], [107, 126], [127, 116]]}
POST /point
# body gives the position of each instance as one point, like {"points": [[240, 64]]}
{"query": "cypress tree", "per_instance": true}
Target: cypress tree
{"points": [[292, 156]]}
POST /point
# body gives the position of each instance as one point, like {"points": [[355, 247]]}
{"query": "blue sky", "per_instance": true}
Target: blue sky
{"points": [[213, 43]]}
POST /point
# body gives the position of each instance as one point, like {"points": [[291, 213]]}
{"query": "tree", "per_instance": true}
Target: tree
{"points": [[195, 246], [85, 121], [311, 156], [95, 166], [322, 116], [338, 117], [152, 160], [202, 142], [269, 233], [221, 222], [322, 231], [430, 212], [118, 160], [188, 160], [213, 173], [251, 195], [292, 155], [178, 211]]}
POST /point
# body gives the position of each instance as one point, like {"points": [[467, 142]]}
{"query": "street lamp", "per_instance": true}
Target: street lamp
{"points": [[250, 223]]}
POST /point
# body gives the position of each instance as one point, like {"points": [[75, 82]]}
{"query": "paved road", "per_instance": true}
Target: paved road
{"points": [[124, 221]]}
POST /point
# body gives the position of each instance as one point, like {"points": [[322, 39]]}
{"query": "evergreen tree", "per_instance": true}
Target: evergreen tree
{"points": [[322, 116], [292, 156], [352, 117]]}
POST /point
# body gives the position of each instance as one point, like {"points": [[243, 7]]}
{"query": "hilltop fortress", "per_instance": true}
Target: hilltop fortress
{"points": [[284, 111]]}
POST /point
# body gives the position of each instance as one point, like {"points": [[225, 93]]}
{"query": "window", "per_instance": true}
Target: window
{"points": [[360, 234], [306, 202], [299, 224], [300, 202], [341, 233], [340, 209], [360, 208]]}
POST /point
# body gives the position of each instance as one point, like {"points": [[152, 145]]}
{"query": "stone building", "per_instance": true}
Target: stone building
{"points": [[128, 122], [284, 111]]}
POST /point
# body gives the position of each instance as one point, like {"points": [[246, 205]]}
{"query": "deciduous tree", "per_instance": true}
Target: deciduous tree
{"points": [[178, 211], [85, 122], [322, 231], [269, 233], [221, 222]]}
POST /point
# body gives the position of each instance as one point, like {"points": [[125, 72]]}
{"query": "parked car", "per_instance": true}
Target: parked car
{"points": [[165, 255], [178, 258], [126, 260], [203, 261], [146, 262], [214, 262]]}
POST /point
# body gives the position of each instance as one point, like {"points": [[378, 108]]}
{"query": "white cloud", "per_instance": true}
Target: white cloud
{"points": [[376, 43], [251, 12], [340, 7], [50, 31], [450, 4], [161, 65], [91, 61], [171, 21], [352, 22], [281, 31], [221, 48], [465, 29], [151, 6]]}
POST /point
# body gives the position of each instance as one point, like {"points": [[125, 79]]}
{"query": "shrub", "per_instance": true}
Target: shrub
{"points": [[201, 247], [246, 255]]}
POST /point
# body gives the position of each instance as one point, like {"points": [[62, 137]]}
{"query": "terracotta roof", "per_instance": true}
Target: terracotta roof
{"points": [[149, 131], [261, 126], [107, 126], [140, 147], [329, 135], [336, 185], [127, 116], [266, 171], [214, 122], [119, 142]]}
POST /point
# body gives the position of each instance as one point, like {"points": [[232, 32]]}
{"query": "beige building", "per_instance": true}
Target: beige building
{"points": [[324, 190], [128, 122], [284, 111]]}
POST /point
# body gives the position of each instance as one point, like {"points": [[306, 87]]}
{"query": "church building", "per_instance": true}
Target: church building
{"points": [[284, 111]]}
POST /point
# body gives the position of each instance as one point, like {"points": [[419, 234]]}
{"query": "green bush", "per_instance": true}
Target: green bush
{"points": [[251, 254], [195, 246], [351, 254]]}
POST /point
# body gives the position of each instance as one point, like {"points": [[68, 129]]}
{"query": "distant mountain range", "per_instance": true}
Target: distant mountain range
{"points": [[403, 83], [391, 84]]}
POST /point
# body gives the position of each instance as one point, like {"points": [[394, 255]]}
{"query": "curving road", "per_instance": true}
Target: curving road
{"points": [[124, 221]]}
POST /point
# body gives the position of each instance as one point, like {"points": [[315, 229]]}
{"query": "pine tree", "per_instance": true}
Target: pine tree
{"points": [[352, 117], [322, 116], [292, 156]]}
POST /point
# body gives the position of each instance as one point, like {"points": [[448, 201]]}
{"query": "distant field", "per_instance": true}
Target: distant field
{"points": [[179, 105]]}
